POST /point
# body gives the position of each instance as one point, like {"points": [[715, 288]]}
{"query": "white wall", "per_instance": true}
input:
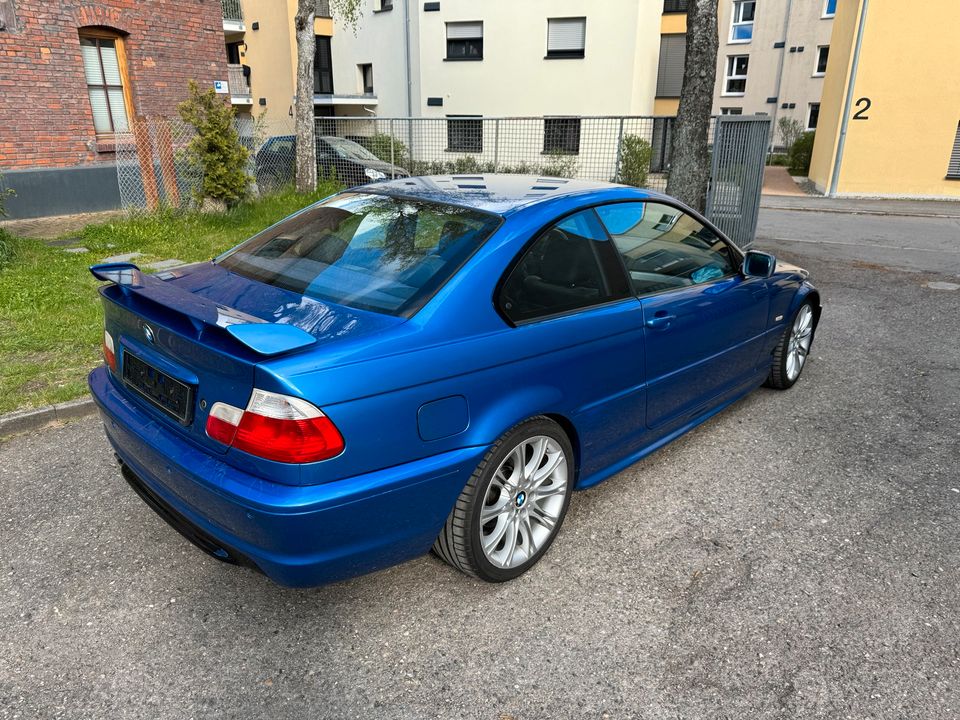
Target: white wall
{"points": [[616, 76]]}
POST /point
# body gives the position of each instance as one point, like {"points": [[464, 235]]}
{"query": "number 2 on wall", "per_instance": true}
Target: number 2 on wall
{"points": [[864, 104]]}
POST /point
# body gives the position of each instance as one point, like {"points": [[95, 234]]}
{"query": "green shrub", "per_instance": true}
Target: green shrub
{"points": [[635, 154], [789, 129], [801, 153], [559, 164], [8, 247], [4, 193], [217, 148], [380, 145], [778, 160]]}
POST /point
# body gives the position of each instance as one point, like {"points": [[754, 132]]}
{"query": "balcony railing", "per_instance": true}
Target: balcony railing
{"points": [[675, 6], [232, 12], [239, 85], [323, 9]]}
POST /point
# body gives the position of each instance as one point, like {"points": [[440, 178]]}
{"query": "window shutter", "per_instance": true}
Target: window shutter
{"points": [[111, 66], [567, 34], [101, 115], [91, 62], [464, 30], [953, 170], [673, 51]]}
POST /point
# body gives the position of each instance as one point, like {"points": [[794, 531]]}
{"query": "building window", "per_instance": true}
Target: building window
{"points": [[829, 8], [465, 41], [741, 23], [731, 111], [735, 80], [104, 66], [674, 6], [322, 67], [673, 52], [566, 37], [561, 135], [813, 116], [823, 52], [953, 169], [384, 6], [464, 133], [366, 78]]}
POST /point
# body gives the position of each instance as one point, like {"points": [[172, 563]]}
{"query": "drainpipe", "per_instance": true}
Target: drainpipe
{"points": [[780, 65], [848, 101], [406, 55]]}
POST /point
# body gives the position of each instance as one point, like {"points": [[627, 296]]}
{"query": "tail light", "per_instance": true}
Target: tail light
{"points": [[109, 353], [276, 427]]}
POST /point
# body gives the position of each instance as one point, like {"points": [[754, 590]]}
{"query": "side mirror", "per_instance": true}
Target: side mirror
{"points": [[758, 264]]}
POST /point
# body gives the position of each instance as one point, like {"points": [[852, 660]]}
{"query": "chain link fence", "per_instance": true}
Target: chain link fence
{"points": [[154, 167], [355, 150]]}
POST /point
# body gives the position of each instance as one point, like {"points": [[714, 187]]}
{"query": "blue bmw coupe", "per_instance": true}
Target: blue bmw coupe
{"points": [[433, 362]]}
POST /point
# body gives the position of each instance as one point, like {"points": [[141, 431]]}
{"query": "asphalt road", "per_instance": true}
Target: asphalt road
{"points": [[795, 557]]}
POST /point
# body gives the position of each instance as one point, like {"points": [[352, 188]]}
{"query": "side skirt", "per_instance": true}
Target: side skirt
{"points": [[734, 395]]}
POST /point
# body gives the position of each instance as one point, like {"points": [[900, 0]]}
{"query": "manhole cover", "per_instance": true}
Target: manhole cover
{"points": [[943, 286]]}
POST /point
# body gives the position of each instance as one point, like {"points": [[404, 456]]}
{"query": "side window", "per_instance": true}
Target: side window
{"points": [[571, 265], [665, 248]]}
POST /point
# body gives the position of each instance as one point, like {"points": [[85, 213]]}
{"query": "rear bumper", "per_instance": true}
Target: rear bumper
{"points": [[297, 536]]}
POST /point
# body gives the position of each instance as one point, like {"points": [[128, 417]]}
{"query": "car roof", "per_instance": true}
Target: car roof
{"points": [[498, 194]]}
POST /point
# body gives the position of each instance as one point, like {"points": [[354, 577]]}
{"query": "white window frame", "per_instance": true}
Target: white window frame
{"points": [[728, 75], [569, 51], [826, 15], [809, 113], [735, 10], [816, 60]]}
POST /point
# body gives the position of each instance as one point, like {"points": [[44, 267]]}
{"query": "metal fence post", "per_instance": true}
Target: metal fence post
{"points": [[496, 145], [616, 174], [393, 164]]}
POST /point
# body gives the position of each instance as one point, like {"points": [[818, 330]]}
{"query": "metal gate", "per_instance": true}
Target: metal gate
{"points": [[736, 179]]}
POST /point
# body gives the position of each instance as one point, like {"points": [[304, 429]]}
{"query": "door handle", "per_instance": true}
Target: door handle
{"points": [[660, 322]]}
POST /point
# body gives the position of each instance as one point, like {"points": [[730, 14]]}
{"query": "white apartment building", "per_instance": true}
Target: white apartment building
{"points": [[773, 57], [501, 57]]}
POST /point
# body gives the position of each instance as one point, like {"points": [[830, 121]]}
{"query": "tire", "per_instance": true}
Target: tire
{"points": [[525, 506], [790, 356]]}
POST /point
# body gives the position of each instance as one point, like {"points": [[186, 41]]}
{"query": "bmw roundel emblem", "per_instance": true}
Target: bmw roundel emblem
{"points": [[148, 334]]}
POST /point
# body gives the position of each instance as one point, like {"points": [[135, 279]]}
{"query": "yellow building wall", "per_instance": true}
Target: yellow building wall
{"points": [[666, 106], [910, 70]]}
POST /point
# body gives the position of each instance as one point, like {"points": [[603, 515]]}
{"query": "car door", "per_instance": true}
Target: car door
{"points": [[569, 300], [703, 321]]}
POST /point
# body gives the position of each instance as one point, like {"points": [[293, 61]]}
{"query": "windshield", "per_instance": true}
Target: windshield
{"points": [[371, 252], [349, 149]]}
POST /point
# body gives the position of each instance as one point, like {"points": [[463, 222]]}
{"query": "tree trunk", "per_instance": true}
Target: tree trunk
{"points": [[690, 159], [306, 167]]}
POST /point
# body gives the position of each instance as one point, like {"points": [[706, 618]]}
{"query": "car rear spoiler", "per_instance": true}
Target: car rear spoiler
{"points": [[264, 338]]}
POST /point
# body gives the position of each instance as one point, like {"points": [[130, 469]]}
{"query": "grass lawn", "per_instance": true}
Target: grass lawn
{"points": [[51, 322]]}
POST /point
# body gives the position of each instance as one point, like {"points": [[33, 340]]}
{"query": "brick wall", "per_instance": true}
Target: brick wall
{"points": [[45, 116]]}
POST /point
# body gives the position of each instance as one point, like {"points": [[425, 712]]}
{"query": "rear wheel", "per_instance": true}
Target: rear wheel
{"points": [[790, 357], [513, 505]]}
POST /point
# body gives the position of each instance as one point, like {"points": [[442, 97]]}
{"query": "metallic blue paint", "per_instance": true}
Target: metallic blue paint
{"points": [[419, 400]]}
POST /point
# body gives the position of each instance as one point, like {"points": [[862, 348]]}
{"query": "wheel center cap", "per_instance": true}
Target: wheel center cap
{"points": [[520, 499]]}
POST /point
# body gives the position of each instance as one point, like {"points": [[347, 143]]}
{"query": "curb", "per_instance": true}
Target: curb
{"points": [[855, 211], [23, 421]]}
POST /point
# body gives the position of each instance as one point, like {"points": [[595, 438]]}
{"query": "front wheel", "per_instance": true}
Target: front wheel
{"points": [[791, 354], [513, 505]]}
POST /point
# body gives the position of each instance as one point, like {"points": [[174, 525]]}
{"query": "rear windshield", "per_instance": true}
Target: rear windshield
{"points": [[371, 252]]}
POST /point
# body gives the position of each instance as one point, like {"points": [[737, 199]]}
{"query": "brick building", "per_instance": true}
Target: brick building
{"points": [[72, 73]]}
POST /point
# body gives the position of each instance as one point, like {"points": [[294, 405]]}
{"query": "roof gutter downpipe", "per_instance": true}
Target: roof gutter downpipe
{"points": [[848, 101], [406, 55]]}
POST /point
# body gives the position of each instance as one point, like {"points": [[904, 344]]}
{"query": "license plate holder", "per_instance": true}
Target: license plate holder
{"points": [[166, 393]]}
